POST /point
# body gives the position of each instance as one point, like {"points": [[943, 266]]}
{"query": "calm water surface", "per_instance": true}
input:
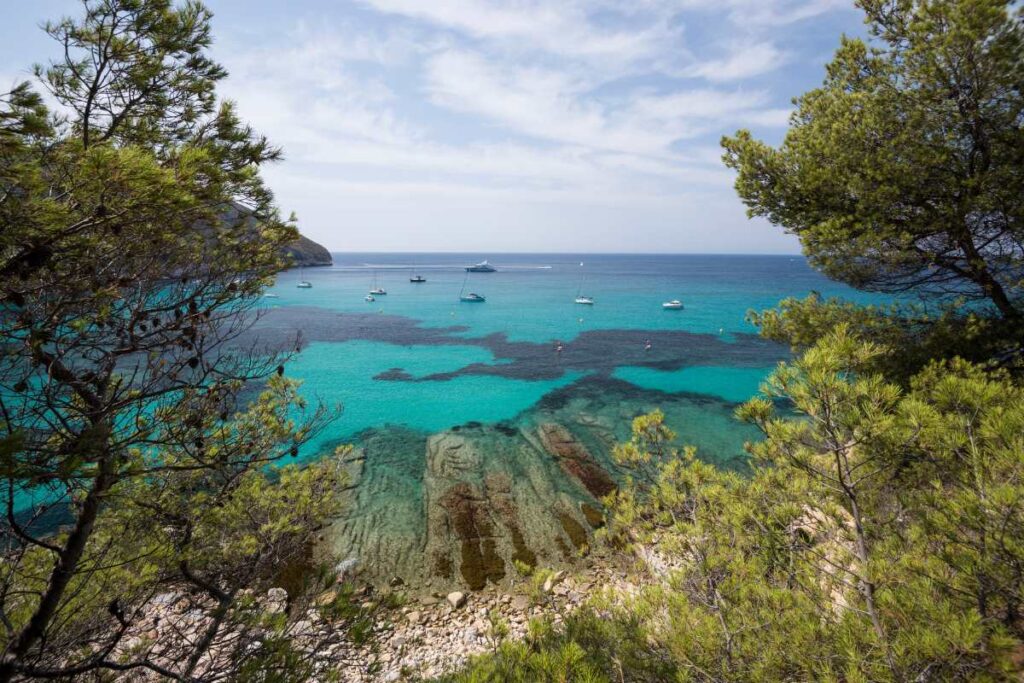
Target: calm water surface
{"points": [[430, 362]]}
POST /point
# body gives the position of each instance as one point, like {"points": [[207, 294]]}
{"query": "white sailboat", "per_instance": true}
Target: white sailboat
{"points": [[303, 282], [472, 297], [580, 298], [376, 289], [674, 305]]}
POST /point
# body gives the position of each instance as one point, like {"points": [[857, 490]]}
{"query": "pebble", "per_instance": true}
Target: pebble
{"points": [[433, 636]]}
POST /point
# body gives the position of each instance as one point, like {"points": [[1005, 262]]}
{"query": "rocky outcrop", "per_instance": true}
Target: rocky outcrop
{"points": [[574, 458], [474, 503], [307, 253], [463, 508]]}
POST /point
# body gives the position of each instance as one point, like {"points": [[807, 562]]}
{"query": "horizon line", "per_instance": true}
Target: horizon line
{"points": [[571, 253]]}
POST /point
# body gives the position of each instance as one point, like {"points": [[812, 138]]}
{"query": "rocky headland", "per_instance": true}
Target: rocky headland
{"points": [[307, 253]]}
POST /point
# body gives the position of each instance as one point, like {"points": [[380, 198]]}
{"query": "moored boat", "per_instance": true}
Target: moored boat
{"points": [[376, 289], [580, 297], [673, 305], [482, 267]]}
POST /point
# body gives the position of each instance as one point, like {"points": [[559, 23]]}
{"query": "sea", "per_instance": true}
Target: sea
{"points": [[420, 358], [483, 432]]}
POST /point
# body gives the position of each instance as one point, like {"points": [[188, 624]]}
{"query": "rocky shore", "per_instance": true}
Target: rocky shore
{"points": [[407, 638]]}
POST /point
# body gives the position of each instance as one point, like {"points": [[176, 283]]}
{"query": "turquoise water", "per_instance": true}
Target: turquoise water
{"points": [[344, 373], [484, 432], [730, 384], [420, 358]]}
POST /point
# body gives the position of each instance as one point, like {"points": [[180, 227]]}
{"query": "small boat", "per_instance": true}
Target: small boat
{"points": [[673, 305], [417, 278], [472, 297], [376, 289], [369, 297], [580, 297], [271, 295], [482, 267], [304, 284]]}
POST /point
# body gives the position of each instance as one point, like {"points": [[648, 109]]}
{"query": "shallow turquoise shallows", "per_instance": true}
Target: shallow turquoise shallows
{"points": [[417, 357]]}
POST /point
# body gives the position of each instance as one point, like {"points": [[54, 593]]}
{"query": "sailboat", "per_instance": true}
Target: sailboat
{"points": [[674, 305], [416, 278], [472, 297], [580, 298], [303, 282], [377, 290]]}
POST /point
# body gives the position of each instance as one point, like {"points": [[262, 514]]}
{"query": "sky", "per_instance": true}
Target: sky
{"points": [[489, 126]]}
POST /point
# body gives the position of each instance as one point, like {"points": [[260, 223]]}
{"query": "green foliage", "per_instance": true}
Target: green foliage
{"points": [[877, 538], [136, 237], [524, 570], [912, 335], [903, 171], [588, 648]]}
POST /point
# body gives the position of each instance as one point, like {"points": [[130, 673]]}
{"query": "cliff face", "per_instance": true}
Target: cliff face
{"points": [[306, 252]]}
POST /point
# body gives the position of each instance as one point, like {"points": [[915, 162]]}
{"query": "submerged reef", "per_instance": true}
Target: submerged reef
{"points": [[460, 506]]}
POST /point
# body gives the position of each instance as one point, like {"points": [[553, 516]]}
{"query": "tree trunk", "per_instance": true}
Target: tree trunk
{"points": [[63, 571], [982, 276]]}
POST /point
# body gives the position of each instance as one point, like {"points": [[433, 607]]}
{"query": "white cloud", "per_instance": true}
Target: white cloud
{"points": [[555, 105], [563, 28], [776, 13], [743, 61], [433, 113]]}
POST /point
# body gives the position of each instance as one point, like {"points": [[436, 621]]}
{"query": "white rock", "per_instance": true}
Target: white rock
{"points": [[277, 600], [553, 580], [457, 599]]}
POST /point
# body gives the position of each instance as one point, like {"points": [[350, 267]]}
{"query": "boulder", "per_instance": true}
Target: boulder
{"points": [[553, 581], [277, 600], [520, 603], [457, 599]]}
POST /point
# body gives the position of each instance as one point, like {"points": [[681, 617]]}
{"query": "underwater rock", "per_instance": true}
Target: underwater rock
{"points": [[491, 501], [456, 509], [595, 518], [471, 522], [574, 458]]}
